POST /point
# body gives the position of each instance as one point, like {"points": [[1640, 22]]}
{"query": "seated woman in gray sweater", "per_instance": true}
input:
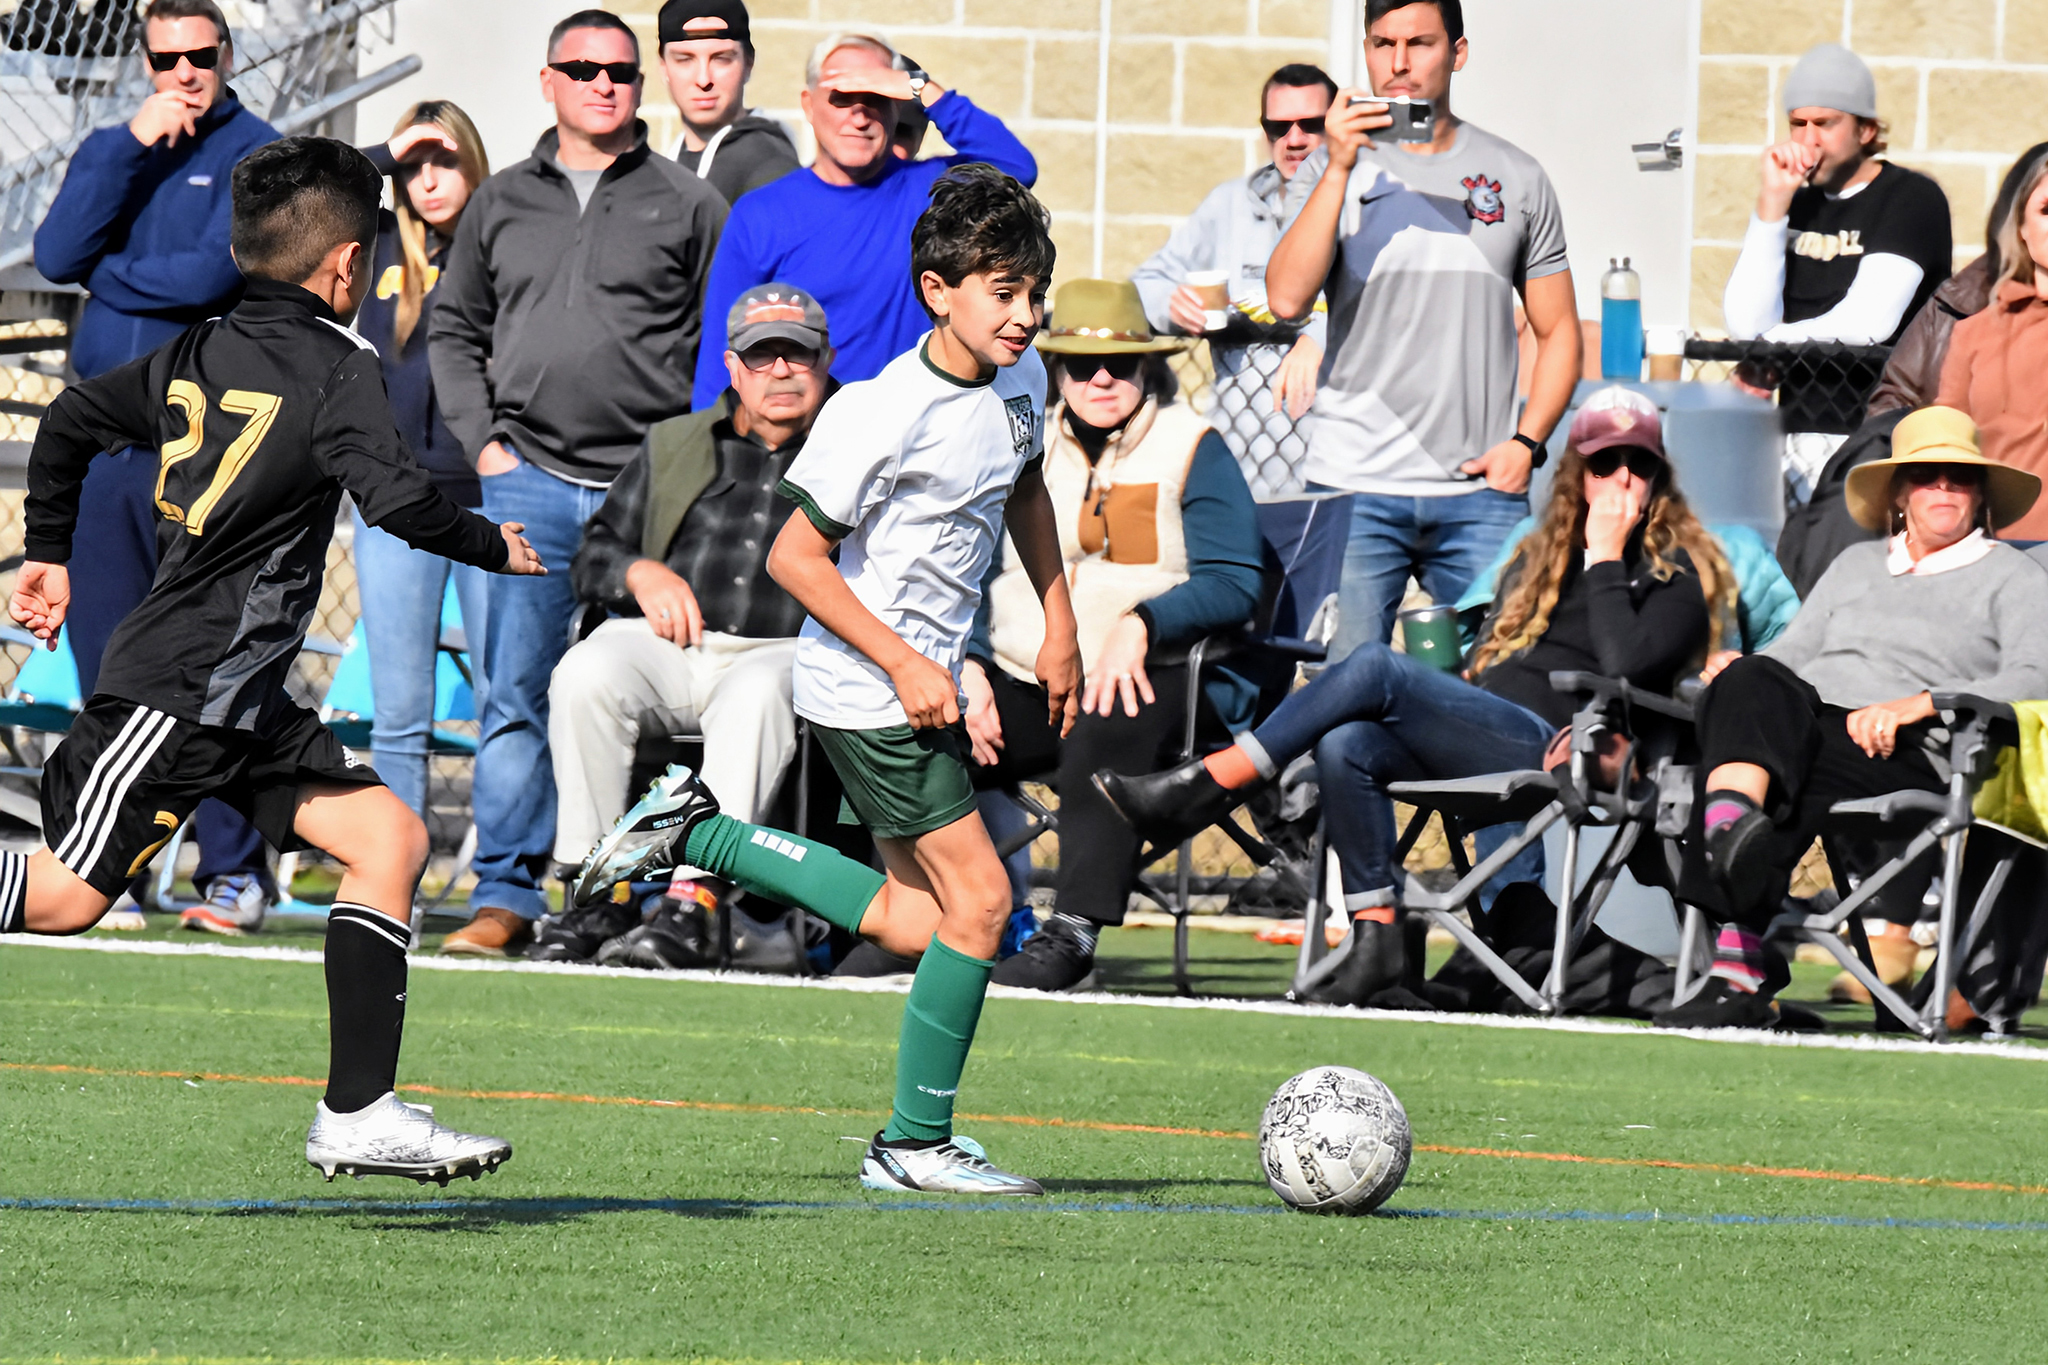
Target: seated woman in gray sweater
{"points": [[1837, 707]]}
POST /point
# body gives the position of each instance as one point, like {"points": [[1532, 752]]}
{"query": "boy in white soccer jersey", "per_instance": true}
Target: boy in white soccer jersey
{"points": [[912, 475]]}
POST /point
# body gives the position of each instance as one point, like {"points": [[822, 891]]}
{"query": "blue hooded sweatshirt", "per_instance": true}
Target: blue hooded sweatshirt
{"points": [[146, 230]]}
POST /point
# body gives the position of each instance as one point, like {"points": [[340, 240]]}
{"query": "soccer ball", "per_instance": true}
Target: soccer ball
{"points": [[1334, 1140]]}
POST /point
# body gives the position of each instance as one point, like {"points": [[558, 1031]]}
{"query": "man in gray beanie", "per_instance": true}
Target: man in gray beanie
{"points": [[1843, 247]]}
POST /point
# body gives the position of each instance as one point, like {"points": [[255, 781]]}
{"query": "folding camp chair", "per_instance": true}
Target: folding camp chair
{"points": [[1650, 797], [44, 698], [1977, 731]]}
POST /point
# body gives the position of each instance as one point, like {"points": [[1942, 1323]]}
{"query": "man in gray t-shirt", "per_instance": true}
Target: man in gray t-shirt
{"points": [[1422, 249]]}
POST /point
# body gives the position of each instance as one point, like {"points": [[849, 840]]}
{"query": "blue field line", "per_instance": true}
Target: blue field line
{"points": [[533, 1208]]}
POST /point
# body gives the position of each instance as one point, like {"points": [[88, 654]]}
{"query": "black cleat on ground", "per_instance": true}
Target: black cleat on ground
{"points": [[1739, 857], [1371, 958], [577, 935], [1721, 1005], [678, 936], [1170, 806], [1053, 959]]}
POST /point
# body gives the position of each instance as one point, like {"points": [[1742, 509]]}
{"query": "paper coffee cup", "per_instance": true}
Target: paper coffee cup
{"points": [[1666, 347], [1213, 288]]}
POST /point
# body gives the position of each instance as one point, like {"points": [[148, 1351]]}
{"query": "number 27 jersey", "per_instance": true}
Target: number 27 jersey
{"points": [[261, 419]]}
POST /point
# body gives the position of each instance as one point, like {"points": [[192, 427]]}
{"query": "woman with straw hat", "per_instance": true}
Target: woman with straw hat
{"points": [[1836, 708], [1162, 547]]}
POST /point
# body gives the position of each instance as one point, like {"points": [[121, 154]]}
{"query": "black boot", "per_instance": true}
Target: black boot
{"points": [[1739, 855], [577, 935], [1373, 957], [1170, 806], [678, 936]]}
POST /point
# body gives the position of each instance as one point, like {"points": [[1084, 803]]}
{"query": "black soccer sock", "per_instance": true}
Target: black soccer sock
{"points": [[365, 1004], [13, 893]]}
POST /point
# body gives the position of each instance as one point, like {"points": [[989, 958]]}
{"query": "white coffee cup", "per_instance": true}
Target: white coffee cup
{"points": [[1213, 287]]}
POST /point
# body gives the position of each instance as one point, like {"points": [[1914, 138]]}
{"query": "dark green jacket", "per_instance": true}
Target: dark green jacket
{"points": [[645, 507]]}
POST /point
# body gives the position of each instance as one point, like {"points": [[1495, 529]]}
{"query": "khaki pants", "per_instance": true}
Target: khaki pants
{"points": [[624, 681]]}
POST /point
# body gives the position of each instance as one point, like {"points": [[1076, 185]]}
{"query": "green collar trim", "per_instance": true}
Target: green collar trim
{"points": [[924, 353]]}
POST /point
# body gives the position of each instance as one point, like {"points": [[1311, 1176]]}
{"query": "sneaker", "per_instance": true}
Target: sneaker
{"points": [[768, 948], [1170, 806], [579, 934], [124, 916], [234, 905], [392, 1137], [1058, 957], [491, 932], [953, 1166], [1372, 957], [649, 837], [678, 936], [1721, 1005]]}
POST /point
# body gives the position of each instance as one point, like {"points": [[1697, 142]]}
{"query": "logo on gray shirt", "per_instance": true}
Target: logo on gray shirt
{"points": [[1482, 199]]}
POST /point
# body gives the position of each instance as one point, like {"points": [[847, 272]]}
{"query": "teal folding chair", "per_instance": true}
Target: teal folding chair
{"points": [[44, 698]]}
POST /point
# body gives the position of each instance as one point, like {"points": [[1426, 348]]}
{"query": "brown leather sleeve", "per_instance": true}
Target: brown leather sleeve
{"points": [[1913, 374]]}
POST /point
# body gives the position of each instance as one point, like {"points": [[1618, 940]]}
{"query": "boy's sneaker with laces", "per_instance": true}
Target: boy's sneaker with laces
{"points": [[578, 934], [1059, 957], [648, 838], [392, 1137], [234, 905], [954, 1165]]}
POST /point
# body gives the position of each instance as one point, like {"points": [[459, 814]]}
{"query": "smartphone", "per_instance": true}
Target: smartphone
{"points": [[1414, 120]]}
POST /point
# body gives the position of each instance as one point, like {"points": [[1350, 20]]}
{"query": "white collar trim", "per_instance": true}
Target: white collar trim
{"points": [[1962, 554]]}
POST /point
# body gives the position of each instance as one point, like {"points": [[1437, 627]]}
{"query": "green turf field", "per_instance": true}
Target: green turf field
{"points": [[726, 1224]]}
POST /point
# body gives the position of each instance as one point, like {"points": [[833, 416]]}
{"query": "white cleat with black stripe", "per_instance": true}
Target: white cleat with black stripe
{"points": [[392, 1137], [956, 1166], [648, 838]]}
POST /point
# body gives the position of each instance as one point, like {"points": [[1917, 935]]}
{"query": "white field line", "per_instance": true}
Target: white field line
{"points": [[901, 985]]}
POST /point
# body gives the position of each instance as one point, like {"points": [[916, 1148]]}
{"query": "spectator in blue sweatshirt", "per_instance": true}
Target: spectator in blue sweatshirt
{"points": [[841, 227], [142, 222]]}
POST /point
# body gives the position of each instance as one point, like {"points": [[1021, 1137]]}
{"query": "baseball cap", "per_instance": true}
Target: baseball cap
{"points": [[673, 24], [1616, 416], [770, 311]]}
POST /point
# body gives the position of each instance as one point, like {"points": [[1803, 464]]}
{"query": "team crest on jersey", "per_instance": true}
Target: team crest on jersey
{"points": [[1482, 199], [1023, 423]]}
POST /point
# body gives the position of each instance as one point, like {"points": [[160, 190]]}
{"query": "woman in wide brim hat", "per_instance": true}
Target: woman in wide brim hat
{"points": [[1161, 542], [1840, 706], [1927, 439]]}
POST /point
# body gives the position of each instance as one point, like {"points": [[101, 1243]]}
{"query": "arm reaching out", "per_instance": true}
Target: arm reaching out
{"points": [[1036, 536], [801, 561]]}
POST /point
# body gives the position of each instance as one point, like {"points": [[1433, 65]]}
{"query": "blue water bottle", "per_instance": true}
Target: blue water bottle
{"points": [[1621, 322]]}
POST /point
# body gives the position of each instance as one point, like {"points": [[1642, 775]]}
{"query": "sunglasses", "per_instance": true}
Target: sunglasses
{"points": [[759, 358], [1082, 368], [204, 58], [1925, 475], [622, 73], [1276, 128], [1646, 465]]}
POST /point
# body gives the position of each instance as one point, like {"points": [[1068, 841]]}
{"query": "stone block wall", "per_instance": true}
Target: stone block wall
{"points": [[1963, 85], [1184, 77]]}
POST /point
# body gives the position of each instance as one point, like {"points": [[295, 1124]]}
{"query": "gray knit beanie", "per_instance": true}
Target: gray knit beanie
{"points": [[1830, 76]]}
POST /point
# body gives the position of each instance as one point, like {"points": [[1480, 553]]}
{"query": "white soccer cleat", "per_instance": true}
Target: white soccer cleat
{"points": [[648, 838], [955, 1166], [392, 1137]]}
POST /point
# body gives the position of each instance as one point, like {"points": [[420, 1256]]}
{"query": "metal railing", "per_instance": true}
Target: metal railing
{"points": [[1822, 386]]}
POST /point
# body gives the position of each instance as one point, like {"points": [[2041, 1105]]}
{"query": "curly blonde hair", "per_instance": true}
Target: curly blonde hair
{"points": [[1545, 553]]}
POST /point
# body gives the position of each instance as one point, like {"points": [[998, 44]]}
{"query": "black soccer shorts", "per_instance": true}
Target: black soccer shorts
{"points": [[126, 777]]}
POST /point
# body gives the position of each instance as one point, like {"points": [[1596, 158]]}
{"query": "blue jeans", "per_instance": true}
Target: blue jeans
{"points": [[1443, 543], [401, 589], [1378, 717], [513, 795]]}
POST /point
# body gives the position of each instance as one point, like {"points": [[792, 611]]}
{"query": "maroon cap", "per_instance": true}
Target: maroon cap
{"points": [[1618, 416]]}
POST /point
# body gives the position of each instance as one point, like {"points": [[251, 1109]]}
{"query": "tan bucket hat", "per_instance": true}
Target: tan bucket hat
{"points": [[1101, 317], [1938, 436]]}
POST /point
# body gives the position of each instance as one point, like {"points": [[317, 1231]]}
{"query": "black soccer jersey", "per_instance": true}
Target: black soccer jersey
{"points": [[261, 419]]}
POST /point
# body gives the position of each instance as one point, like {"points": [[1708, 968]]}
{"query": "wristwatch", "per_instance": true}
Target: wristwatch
{"points": [[1539, 453], [918, 81]]}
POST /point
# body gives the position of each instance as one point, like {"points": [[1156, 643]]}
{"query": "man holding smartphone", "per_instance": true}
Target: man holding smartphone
{"points": [[1423, 248]]}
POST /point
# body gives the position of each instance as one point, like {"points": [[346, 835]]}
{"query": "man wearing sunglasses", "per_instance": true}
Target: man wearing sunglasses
{"points": [[567, 324], [1265, 368], [142, 222], [707, 57], [700, 639]]}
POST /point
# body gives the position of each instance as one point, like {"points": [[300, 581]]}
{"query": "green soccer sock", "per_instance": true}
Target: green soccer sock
{"points": [[785, 868], [938, 1028]]}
